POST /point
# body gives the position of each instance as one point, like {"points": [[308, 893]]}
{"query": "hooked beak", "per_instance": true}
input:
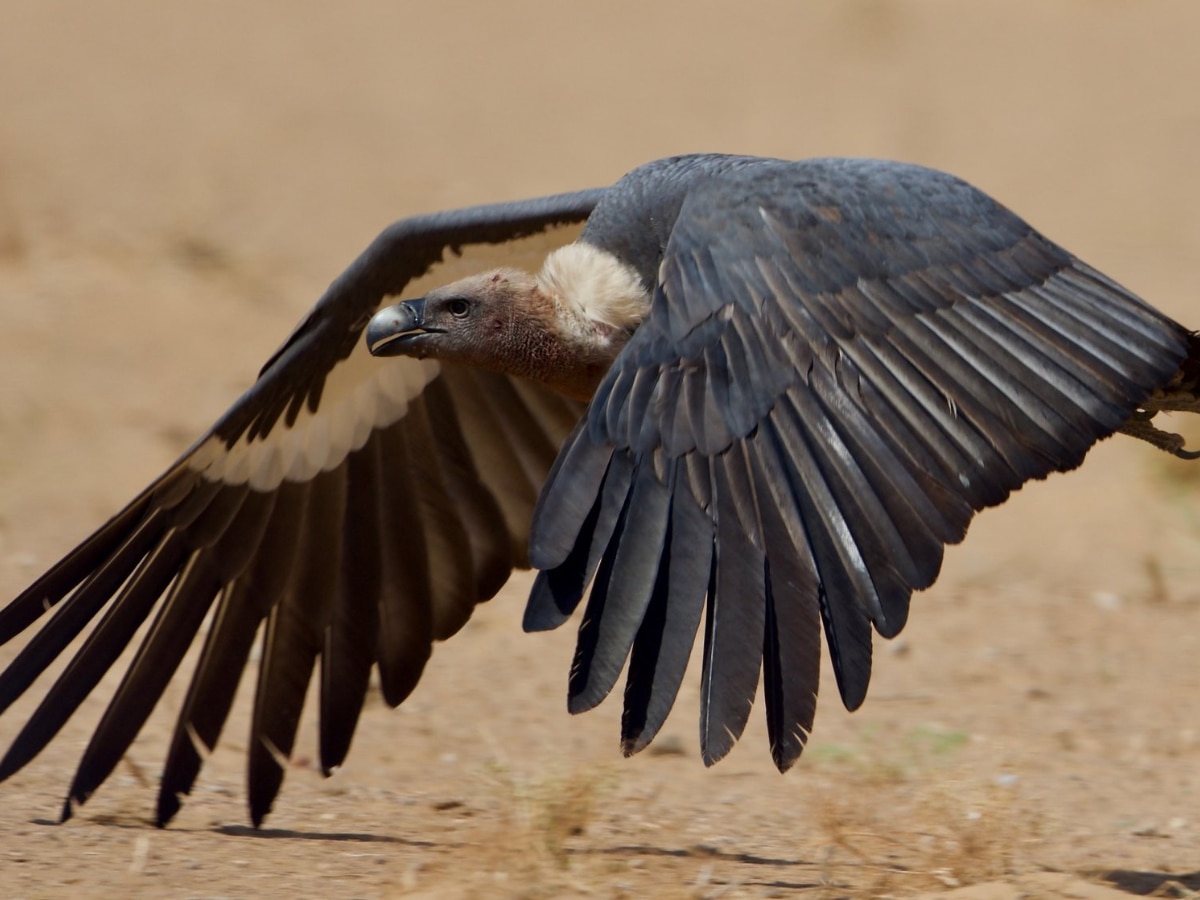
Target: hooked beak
{"points": [[392, 328]]}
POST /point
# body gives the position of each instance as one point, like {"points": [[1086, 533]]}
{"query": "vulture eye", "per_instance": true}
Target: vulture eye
{"points": [[459, 308]]}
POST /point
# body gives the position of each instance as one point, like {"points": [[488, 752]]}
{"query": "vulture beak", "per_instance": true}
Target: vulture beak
{"points": [[393, 327]]}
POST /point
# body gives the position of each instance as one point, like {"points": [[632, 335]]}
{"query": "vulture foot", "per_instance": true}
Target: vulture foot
{"points": [[1140, 425]]}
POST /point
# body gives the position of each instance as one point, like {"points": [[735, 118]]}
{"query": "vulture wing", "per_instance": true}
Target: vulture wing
{"points": [[360, 508], [843, 361]]}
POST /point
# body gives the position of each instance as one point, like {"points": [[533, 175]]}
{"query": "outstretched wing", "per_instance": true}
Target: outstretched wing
{"points": [[843, 361], [359, 507]]}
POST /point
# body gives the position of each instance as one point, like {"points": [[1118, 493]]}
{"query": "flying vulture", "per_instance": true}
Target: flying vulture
{"points": [[754, 393]]}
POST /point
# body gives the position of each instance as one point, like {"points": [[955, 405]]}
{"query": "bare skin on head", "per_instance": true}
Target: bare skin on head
{"points": [[562, 327]]}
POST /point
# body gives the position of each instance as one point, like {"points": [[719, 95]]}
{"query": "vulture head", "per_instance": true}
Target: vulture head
{"points": [[562, 327]]}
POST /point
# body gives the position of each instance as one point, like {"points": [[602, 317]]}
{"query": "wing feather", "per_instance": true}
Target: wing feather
{"points": [[351, 510], [664, 640], [242, 607], [607, 632], [843, 361], [736, 615]]}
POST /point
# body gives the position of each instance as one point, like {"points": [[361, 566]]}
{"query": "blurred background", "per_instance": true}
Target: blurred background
{"points": [[179, 182]]}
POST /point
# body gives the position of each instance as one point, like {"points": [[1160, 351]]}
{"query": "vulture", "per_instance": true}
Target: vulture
{"points": [[757, 394]]}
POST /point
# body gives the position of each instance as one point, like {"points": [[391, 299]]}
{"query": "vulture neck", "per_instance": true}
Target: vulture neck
{"points": [[572, 319]]}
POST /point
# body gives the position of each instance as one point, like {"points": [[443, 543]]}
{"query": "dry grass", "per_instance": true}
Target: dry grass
{"points": [[542, 815], [524, 848], [888, 838], [887, 817], [904, 816]]}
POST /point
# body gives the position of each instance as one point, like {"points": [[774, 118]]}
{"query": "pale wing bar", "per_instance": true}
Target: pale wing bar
{"points": [[346, 564]]}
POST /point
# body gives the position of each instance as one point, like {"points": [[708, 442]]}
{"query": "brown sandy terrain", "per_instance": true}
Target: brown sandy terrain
{"points": [[178, 184]]}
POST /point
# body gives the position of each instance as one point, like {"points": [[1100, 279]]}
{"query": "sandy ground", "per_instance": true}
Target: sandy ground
{"points": [[177, 185]]}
